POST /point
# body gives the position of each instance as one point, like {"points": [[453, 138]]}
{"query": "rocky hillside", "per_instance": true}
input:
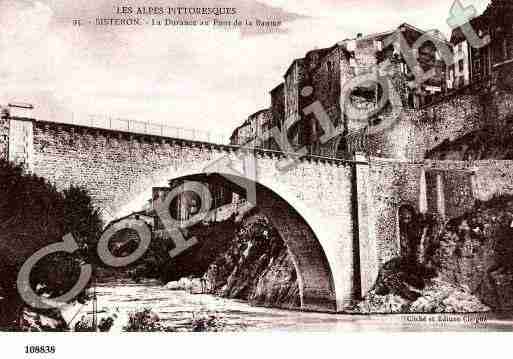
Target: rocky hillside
{"points": [[476, 252], [256, 267], [470, 269]]}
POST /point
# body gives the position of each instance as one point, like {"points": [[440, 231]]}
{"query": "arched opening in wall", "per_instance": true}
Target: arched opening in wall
{"points": [[240, 256]]}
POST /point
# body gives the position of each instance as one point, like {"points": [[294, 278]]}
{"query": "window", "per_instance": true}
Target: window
{"points": [[460, 48], [460, 66], [476, 52], [477, 66], [329, 65], [377, 121], [313, 63]]}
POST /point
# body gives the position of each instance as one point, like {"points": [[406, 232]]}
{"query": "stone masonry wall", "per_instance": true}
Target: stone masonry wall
{"points": [[491, 177], [4, 139], [327, 79], [393, 183], [117, 168], [415, 132], [501, 110], [108, 163], [450, 119]]}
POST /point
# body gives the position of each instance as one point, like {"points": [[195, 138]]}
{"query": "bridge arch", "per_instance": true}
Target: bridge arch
{"points": [[307, 235]]}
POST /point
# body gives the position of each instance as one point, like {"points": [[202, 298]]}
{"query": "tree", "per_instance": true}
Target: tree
{"points": [[34, 214]]}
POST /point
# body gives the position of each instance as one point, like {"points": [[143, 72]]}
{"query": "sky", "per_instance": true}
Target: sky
{"points": [[194, 77]]}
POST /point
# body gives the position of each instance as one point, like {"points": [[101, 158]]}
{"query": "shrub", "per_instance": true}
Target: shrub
{"points": [[145, 321], [34, 214]]}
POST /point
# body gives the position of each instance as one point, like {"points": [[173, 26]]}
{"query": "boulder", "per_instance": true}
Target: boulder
{"points": [[193, 285], [381, 304], [406, 287]]}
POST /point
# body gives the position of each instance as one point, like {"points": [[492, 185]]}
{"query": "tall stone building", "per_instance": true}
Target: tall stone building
{"points": [[294, 82], [346, 84], [251, 132], [459, 73], [277, 114], [396, 46], [478, 64], [188, 203], [329, 71]]}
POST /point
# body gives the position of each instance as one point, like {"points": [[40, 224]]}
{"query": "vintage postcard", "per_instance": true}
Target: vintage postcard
{"points": [[255, 166]]}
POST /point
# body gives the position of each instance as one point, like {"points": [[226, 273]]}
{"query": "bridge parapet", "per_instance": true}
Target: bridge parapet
{"points": [[147, 128], [310, 203], [141, 132]]}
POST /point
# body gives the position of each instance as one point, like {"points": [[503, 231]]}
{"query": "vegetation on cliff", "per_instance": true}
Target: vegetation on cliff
{"points": [[476, 252], [470, 268], [34, 214]]}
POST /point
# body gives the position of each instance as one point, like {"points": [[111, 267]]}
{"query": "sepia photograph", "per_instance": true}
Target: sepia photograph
{"points": [[255, 166]]}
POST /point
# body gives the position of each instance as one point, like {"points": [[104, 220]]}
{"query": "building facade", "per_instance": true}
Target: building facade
{"points": [[277, 115], [251, 132], [294, 82], [414, 64], [188, 203], [327, 78], [494, 56], [458, 74]]}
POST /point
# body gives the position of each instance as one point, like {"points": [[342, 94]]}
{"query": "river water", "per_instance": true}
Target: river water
{"points": [[178, 309]]}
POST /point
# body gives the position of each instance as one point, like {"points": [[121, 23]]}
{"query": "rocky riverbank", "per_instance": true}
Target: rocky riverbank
{"points": [[438, 296], [471, 265], [255, 267], [476, 252]]}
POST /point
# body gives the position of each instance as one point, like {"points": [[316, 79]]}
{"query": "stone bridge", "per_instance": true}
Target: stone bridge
{"points": [[338, 218]]}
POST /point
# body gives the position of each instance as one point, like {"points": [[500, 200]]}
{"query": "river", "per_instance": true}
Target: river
{"points": [[177, 309]]}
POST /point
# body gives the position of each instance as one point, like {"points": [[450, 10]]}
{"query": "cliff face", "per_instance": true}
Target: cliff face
{"points": [[476, 252], [244, 260], [256, 267], [470, 268]]}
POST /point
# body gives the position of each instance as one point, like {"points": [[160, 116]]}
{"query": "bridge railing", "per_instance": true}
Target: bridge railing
{"points": [[148, 128], [140, 127]]}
